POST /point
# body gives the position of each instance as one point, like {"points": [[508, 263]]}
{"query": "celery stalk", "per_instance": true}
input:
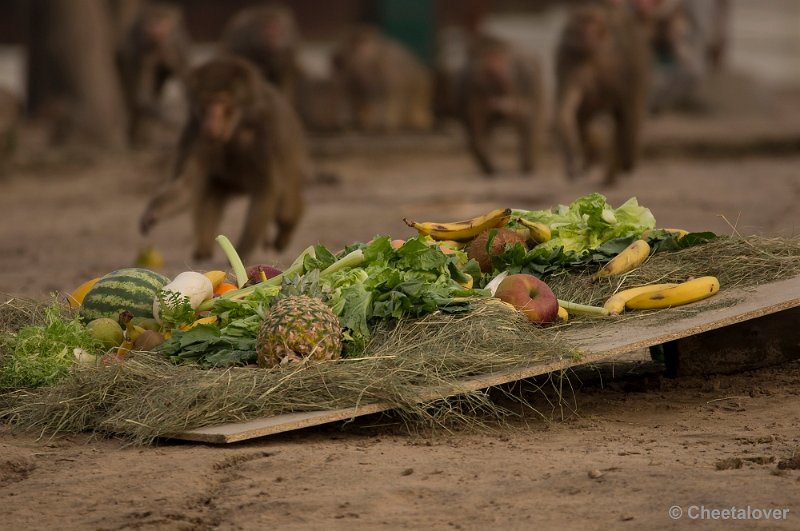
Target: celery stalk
{"points": [[235, 260], [352, 259], [583, 309]]}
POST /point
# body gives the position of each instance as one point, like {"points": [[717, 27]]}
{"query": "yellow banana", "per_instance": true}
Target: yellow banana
{"points": [[684, 293], [539, 232], [461, 231], [616, 303], [629, 258], [133, 331]]}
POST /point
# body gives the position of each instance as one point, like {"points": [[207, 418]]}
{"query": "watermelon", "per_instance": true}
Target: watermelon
{"points": [[130, 289]]}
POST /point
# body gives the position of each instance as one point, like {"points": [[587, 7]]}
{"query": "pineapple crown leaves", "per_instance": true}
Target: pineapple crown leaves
{"points": [[308, 284]]}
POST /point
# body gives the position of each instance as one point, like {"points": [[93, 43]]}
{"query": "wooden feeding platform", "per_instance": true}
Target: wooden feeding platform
{"points": [[753, 327]]}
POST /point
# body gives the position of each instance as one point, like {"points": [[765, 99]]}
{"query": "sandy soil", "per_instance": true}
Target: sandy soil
{"points": [[624, 446]]}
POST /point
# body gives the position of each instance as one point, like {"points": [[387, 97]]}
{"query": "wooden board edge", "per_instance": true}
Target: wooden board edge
{"points": [[239, 431]]}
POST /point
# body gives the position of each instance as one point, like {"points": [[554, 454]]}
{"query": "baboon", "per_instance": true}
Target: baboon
{"points": [[386, 87], [602, 68], [154, 50], [502, 85], [241, 137], [268, 37]]}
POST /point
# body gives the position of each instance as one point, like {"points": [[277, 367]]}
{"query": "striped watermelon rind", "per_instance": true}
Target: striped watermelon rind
{"points": [[130, 289]]}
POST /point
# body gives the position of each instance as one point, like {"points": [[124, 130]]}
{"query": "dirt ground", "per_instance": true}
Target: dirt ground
{"points": [[619, 452], [623, 448]]}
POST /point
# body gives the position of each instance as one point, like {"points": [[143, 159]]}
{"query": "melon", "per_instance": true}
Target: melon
{"points": [[130, 289]]}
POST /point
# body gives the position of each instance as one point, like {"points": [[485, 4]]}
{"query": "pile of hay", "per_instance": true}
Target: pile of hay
{"points": [[147, 396]]}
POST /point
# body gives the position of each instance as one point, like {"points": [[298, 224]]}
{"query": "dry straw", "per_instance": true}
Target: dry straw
{"points": [[147, 396]]}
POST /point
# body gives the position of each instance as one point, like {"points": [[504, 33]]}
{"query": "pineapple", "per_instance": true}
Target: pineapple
{"points": [[296, 328]]}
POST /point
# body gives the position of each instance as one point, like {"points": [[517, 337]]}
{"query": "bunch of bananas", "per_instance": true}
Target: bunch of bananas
{"points": [[464, 231]]}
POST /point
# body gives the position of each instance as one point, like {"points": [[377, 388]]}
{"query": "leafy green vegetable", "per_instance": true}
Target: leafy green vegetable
{"points": [[175, 309], [587, 230], [364, 283], [590, 221], [392, 283], [661, 240], [41, 354], [210, 346]]}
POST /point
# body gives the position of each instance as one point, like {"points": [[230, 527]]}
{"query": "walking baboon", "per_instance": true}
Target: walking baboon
{"points": [[601, 69], [501, 84], [241, 137]]}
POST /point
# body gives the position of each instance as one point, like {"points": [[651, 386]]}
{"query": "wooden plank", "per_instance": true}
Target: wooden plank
{"points": [[608, 339]]}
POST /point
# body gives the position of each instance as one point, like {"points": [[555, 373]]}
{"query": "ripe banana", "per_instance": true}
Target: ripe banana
{"points": [[462, 231], [689, 291], [539, 232], [629, 258], [616, 303]]}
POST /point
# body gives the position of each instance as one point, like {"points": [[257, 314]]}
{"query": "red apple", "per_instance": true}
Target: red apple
{"points": [[531, 296]]}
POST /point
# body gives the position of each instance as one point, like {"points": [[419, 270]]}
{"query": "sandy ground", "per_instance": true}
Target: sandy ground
{"points": [[623, 447], [618, 452]]}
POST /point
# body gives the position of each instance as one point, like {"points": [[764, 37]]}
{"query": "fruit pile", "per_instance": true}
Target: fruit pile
{"points": [[503, 240], [324, 305]]}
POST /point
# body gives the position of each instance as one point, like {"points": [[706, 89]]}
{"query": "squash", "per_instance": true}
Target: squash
{"points": [[75, 298], [216, 277], [196, 287]]}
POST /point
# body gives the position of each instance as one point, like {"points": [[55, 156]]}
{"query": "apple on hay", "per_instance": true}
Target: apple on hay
{"points": [[531, 296]]}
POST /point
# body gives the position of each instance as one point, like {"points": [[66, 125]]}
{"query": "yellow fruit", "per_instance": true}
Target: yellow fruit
{"points": [[462, 231], [628, 259], [216, 277], [125, 348], [107, 331], [685, 293], [75, 298], [211, 319], [149, 258], [538, 232], [616, 303], [563, 315]]}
